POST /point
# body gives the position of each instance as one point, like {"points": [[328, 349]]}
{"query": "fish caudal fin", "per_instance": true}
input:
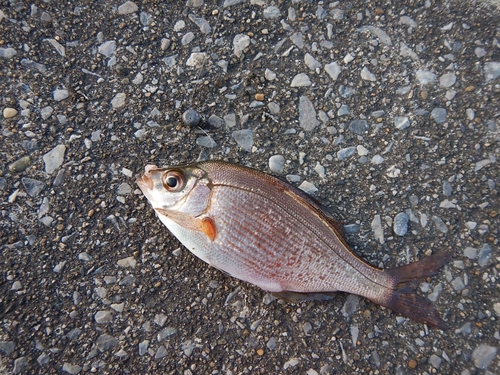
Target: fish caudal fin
{"points": [[403, 299]]}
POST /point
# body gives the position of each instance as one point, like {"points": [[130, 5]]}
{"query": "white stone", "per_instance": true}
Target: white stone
{"points": [[271, 12], [206, 141], [401, 122], [127, 8], [277, 163], [240, 42], [311, 62], [244, 138], [393, 172], [379, 33], [58, 47], [301, 80], [270, 75], [491, 70], [307, 114], [119, 100], [7, 53], [362, 151], [127, 262], [320, 170], [179, 25], [196, 59], [103, 316], [333, 69], [107, 48], [367, 75], [307, 187], [54, 158], [60, 94], [425, 77], [447, 80]]}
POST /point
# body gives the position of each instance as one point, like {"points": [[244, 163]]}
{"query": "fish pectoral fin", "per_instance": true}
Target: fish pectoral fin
{"points": [[205, 225], [296, 297]]}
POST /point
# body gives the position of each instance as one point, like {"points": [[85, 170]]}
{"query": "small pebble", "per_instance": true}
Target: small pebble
{"points": [[367, 75], [127, 8], [358, 126], [191, 118], [425, 77], [33, 187], [244, 138], [439, 115], [343, 110], [230, 120], [483, 355], [118, 100], [311, 62], [440, 225], [60, 94], [103, 316], [9, 112], [19, 365], [206, 141], [301, 80], [20, 164], [400, 225], [307, 114], [346, 152], [435, 361], [161, 352], [307, 187], [333, 69], [270, 75], [54, 158], [271, 12], [106, 342], [277, 163], [71, 369], [447, 80], [401, 122], [240, 43], [143, 347]]}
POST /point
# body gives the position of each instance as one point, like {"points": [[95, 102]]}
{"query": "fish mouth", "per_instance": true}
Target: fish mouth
{"points": [[145, 182]]}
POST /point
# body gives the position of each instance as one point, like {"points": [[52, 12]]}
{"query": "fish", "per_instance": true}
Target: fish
{"points": [[262, 230]]}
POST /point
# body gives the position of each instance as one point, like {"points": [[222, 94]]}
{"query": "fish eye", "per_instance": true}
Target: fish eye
{"points": [[173, 181]]}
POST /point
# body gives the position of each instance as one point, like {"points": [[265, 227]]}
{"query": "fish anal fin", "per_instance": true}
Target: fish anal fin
{"points": [[296, 297]]}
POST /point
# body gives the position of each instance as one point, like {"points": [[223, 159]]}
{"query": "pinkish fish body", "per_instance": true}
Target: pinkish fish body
{"points": [[262, 230]]}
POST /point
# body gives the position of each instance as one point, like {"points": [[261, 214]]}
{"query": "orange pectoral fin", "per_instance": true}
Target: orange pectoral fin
{"points": [[208, 227], [205, 225]]}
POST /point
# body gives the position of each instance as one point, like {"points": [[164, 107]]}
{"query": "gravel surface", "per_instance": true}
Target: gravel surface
{"points": [[386, 112]]}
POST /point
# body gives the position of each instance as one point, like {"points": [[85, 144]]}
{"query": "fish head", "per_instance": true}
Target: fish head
{"points": [[175, 188]]}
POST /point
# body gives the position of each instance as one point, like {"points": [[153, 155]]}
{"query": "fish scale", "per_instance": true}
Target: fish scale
{"points": [[262, 230], [322, 255]]}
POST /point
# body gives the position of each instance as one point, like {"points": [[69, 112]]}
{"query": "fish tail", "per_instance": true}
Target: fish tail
{"points": [[406, 279]]}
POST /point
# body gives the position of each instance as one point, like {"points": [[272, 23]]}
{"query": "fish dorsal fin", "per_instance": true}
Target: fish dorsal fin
{"points": [[322, 211]]}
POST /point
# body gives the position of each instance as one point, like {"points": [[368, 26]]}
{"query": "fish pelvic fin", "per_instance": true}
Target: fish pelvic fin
{"points": [[403, 299]]}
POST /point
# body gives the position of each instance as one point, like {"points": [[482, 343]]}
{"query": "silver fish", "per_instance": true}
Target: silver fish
{"points": [[262, 230]]}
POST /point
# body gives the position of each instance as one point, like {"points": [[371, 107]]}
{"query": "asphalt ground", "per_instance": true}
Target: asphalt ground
{"points": [[385, 108]]}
